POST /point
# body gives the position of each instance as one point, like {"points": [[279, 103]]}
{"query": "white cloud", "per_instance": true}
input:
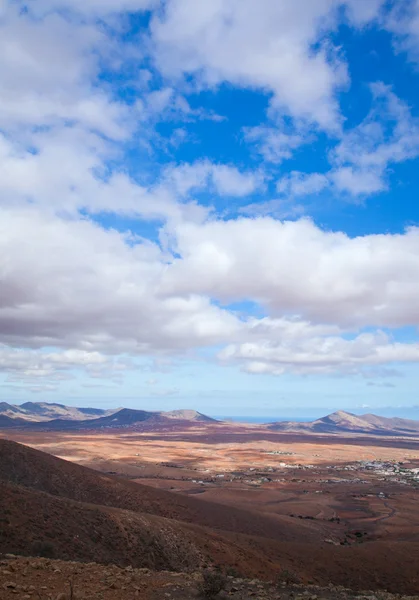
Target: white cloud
{"points": [[302, 184], [388, 135], [31, 366], [229, 181], [36, 88], [295, 267], [167, 103], [312, 354], [74, 285], [358, 182], [268, 47], [403, 22], [64, 170], [278, 208], [275, 144], [225, 180], [94, 294], [361, 12], [74, 296], [91, 8]]}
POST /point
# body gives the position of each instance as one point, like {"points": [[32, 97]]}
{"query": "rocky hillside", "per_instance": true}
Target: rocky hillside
{"points": [[34, 578]]}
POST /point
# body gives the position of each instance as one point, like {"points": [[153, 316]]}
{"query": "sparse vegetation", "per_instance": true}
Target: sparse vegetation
{"points": [[213, 582], [288, 577], [233, 572]]}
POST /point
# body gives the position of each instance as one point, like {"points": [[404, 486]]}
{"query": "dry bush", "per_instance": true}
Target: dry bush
{"points": [[288, 577], [213, 582], [43, 548]]}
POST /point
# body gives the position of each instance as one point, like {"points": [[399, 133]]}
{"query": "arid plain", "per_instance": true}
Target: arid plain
{"points": [[340, 491]]}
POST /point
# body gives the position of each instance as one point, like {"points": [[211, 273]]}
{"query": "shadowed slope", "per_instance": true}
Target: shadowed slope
{"points": [[34, 469]]}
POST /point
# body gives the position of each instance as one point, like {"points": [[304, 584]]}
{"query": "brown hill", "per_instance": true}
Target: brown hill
{"points": [[345, 422], [188, 415], [33, 469], [79, 514], [48, 505], [55, 526]]}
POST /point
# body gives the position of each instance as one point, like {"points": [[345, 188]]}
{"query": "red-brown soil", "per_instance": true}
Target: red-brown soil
{"points": [[217, 448], [257, 527], [32, 469], [37, 578]]}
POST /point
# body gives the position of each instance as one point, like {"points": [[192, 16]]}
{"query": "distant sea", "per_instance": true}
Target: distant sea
{"points": [[263, 419]]}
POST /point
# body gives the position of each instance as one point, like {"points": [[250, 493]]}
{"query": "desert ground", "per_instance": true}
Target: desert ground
{"points": [[352, 489], [37, 577]]}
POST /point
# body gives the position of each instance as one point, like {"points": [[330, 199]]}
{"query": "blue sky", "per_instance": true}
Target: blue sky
{"points": [[210, 204]]}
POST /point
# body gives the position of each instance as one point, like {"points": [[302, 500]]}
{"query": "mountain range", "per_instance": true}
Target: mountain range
{"points": [[345, 422], [45, 416], [58, 417], [45, 411]]}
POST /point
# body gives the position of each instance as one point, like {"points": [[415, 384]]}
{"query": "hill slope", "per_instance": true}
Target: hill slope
{"points": [[188, 415], [111, 582], [33, 469], [79, 514], [344, 422], [84, 515]]}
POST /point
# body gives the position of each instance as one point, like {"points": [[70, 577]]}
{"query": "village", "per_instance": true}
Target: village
{"points": [[392, 471]]}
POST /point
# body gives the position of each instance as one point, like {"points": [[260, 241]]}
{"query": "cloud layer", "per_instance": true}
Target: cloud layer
{"points": [[115, 247]]}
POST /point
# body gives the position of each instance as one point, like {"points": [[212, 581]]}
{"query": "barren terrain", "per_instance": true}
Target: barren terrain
{"points": [[35, 578], [327, 508]]}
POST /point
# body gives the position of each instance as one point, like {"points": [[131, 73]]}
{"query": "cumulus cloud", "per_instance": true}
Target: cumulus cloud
{"points": [[64, 170], [297, 267], [268, 46], [73, 284], [37, 90], [76, 296], [224, 180], [95, 294]]}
